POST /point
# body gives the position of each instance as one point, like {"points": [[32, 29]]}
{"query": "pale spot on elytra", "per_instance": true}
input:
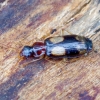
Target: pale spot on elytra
{"points": [[58, 51], [56, 39]]}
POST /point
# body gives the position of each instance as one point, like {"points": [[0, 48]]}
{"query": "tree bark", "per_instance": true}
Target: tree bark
{"points": [[24, 22]]}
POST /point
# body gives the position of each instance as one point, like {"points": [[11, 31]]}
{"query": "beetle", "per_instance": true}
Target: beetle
{"points": [[69, 46]]}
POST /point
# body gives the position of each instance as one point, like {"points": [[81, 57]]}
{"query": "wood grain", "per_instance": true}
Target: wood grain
{"points": [[23, 22]]}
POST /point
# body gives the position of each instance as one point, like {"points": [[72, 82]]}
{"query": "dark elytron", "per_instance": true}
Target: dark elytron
{"points": [[60, 46], [67, 46]]}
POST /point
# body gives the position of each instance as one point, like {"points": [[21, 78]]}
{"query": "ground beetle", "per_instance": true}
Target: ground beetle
{"points": [[69, 46]]}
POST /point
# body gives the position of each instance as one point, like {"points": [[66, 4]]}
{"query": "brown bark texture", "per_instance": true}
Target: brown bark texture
{"points": [[23, 22]]}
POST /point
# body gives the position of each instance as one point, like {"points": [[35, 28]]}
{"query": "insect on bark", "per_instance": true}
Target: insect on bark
{"points": [[69, 46]]}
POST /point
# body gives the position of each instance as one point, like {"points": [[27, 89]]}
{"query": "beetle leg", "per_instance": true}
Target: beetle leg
{"points": [[70, 60], [86, 54], [25, 64], [67, 60], [53, 31], [51, 35], [61, 33], [65, 32], [69, 32], [48, 59]]}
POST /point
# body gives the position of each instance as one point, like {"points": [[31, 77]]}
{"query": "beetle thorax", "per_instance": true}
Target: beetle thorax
{"points": [[38, 49]]}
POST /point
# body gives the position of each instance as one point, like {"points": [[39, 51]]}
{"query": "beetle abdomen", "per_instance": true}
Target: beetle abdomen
{"points": [[67, 46]]}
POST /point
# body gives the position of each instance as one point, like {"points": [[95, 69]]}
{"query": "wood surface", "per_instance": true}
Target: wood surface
{"points": [[23, 22]]}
